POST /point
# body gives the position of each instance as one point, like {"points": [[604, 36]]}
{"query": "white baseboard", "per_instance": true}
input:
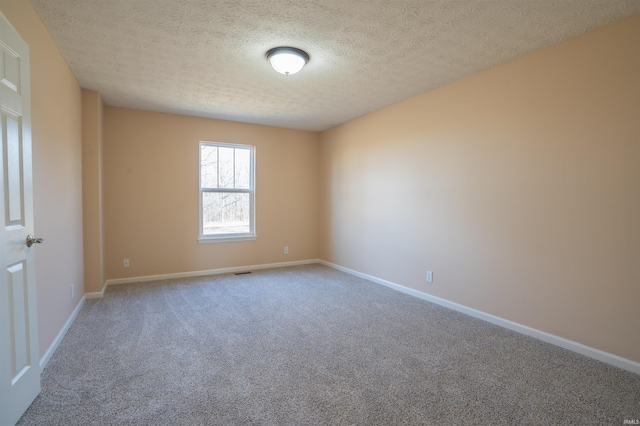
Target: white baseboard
{"points": [[56, 342], [96, 294], [608, 358], [218, 271]]}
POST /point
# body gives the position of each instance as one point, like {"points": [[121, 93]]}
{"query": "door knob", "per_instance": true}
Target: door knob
{"points": [[31, 241]]}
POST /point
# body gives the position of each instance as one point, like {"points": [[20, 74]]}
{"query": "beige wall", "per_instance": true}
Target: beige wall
{"points": [[56, 137], [92, 190], [519, 187], [151, 193]]}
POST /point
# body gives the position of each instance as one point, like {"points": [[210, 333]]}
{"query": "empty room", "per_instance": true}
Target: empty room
{"points": [[270, 212]]}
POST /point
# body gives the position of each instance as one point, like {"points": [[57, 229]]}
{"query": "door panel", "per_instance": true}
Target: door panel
{"points": [[10, 70], [13, 166], [18, 309]]}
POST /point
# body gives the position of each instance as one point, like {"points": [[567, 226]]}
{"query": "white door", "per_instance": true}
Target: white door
{"points": [[19, 364]]}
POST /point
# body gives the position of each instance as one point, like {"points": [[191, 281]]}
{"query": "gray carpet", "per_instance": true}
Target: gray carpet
{"points": [[309, 346]]}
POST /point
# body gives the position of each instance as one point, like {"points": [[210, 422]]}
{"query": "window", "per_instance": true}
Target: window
{"points": [[227, 196]]}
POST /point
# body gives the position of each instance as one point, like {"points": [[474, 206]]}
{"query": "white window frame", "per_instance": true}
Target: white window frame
{"points": [[219, 238]]}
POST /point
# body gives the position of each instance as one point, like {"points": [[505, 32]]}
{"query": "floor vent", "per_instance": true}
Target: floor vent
{"points": [[242, 273]]}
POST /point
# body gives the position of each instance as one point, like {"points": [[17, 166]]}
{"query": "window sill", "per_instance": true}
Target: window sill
{"points": [[226, 239]]}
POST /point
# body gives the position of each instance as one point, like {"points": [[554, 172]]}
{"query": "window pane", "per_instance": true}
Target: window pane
{"points": [[243, 168], [225, 213], [209, 166], [225, 161]]}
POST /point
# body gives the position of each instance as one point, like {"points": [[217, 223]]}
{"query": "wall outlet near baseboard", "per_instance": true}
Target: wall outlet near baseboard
{"points": [[286, 250], [429, 276], [125, 263], [73, 291]]}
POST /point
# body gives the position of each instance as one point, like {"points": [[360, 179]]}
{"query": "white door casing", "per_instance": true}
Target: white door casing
{"points": [[19, 364]]}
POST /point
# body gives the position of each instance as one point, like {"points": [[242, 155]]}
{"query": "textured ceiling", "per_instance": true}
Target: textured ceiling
{"points": [[206, 57]]}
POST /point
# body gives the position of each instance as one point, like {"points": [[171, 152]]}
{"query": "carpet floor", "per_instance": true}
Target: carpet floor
{"points": [[310, 345]]}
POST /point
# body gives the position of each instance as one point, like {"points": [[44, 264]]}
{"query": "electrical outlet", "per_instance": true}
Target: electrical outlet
{"points": [[429, 276], [125, 263], [286, 250], [73, 291]]}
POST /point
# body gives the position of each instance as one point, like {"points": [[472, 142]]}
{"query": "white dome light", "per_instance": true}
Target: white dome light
{"points": [[287, 60]]}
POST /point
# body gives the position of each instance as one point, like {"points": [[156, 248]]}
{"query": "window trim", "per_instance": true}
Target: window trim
{"points": [[220, 238]]}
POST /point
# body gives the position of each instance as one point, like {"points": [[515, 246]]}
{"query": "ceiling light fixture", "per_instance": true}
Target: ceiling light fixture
{"points": [[287, 60]]}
